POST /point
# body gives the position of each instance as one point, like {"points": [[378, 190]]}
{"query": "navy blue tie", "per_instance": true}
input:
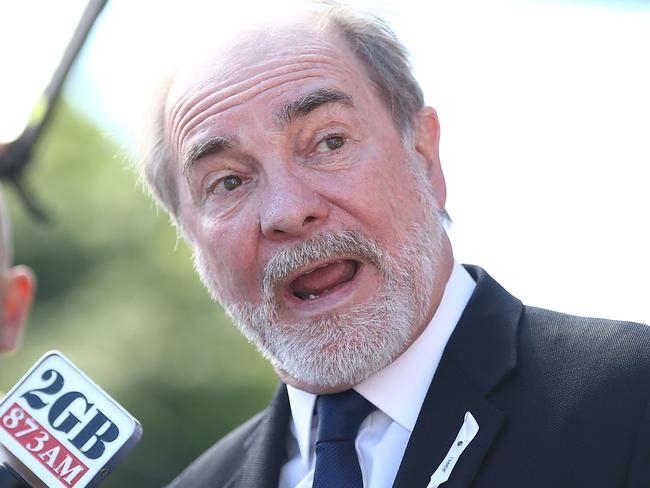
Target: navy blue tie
{"points": [[339, 418]]}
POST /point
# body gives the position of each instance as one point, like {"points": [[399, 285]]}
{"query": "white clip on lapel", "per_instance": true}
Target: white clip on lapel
{"points": [[467, 432]]}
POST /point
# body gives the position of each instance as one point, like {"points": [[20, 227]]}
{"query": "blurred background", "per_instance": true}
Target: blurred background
{"points": [[545, 144]]}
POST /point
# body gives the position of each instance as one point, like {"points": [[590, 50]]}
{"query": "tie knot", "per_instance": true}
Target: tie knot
{"points": [[341, 414]]}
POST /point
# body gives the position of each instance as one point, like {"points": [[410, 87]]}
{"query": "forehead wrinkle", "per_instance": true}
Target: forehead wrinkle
{"points": [[233, 104], [198, 101], [186, 102], [190, 96], [208, 108], [192, 103]]}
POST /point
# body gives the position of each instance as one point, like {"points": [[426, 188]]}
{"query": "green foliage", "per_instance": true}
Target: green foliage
{"points": [[118, 296]]}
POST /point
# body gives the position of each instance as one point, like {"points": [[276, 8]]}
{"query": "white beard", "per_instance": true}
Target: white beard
{"points": [[343, 348]]}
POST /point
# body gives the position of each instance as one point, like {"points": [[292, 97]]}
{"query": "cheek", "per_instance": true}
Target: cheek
{"points": [[380, 195], [229, 248], [232, 254]]}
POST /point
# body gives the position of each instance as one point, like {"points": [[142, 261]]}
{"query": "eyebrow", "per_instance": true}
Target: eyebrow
{"points": [[213, 145], [287, 114], [310, 102]]}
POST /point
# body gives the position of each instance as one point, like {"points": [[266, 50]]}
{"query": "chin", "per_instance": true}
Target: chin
{"points": [[342, 345], [337, 349]]}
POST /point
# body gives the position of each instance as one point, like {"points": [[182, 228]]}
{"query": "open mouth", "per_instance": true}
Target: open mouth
{"points": [[323, 279]]}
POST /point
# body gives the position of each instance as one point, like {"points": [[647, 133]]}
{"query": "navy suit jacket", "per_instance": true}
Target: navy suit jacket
{"points": [[561, 401]]}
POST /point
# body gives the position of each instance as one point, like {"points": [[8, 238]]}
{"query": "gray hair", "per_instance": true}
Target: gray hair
{"points": [[371, 40], [386, 59]]}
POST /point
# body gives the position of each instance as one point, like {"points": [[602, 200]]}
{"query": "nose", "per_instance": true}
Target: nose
{"points": [[291, 208]]}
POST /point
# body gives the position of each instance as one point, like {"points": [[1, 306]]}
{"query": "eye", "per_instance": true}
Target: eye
{"points": [[331, 143], [226, 184], [231, 182]]}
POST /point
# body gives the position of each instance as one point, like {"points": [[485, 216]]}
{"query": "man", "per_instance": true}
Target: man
{"points": [[302, 167], [17, 285]]}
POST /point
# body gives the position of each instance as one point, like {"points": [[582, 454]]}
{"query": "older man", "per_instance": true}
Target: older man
{"points": [[302, 167], [16, 290]]}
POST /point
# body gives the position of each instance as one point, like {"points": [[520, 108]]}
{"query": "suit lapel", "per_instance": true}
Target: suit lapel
{"points": [[450, 396], [265, 453], [480, 354]]}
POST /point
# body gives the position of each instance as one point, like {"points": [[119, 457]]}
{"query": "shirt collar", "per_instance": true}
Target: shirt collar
{"points": [[399, 389], [302, 412]]}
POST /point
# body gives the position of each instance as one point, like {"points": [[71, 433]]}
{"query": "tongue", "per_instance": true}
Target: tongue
{"points": [[323, 279]]}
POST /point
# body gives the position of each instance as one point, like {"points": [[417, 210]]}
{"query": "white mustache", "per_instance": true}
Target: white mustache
{"points": [[330, 245]]}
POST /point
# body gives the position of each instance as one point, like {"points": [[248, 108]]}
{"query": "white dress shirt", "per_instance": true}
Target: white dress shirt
{"points": [[397, 391]]}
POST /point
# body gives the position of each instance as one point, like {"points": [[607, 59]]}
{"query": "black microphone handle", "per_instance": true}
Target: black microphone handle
{"points": [[10, 479]]}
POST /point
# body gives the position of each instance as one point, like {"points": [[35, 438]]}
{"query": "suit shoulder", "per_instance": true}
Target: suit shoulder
{"points": [[219, 463], [562, 325], [597, 344]]}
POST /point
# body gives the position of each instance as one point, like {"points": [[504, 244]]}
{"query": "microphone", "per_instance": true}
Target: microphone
{"points": [[58, 429], [11, 479]]}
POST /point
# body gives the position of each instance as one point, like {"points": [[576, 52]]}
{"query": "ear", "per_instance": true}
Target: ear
{"points": [[19, 287], [427, 146]]}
